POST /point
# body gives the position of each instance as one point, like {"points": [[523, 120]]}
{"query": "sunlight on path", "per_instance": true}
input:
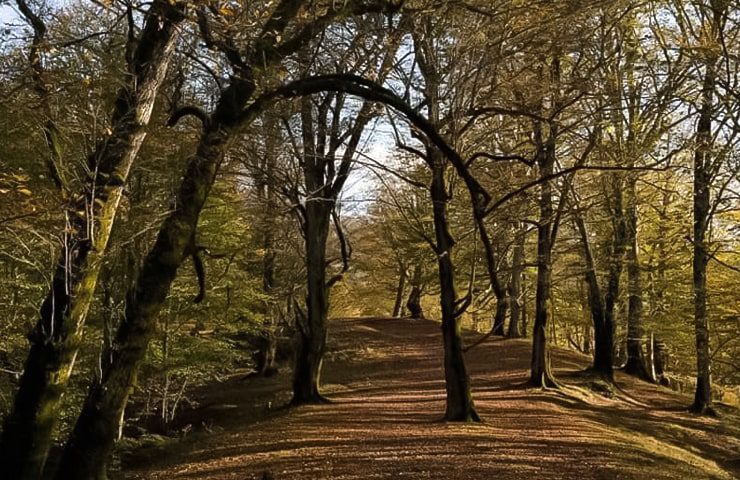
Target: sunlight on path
{"points": [[385, 378]]}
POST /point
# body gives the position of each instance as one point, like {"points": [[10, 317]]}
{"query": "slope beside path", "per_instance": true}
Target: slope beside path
{"points": [[386, 381]]}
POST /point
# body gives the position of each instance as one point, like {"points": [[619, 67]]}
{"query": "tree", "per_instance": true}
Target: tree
{"points": [[713, 16], [91, 212], [88, 448]]}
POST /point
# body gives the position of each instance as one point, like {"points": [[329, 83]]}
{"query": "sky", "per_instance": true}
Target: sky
{"points": [[6, 13]]}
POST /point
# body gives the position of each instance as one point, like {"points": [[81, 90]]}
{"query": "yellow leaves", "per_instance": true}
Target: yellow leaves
{"points": [[19, 177], [227, 11], [15, 182]]}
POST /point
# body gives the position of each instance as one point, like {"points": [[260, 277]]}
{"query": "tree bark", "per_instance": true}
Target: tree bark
{"points": [[515, 285], [400, 290], [702, 206], [604, 336], [460, 405], [595, 300], [267, 348], [502, 306], [324, 182], [27, 433], [88, 448], [498, 286], [540, 373], [414, 301], [636, 364], [602, 311], [86, 453], [312, 345]]}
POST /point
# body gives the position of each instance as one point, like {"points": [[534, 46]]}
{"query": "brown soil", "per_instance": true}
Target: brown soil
{"points": [[385, 379]]}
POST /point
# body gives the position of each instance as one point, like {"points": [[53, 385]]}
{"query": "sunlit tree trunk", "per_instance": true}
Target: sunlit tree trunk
{"points": [[636, 364], [515, 286], [702, 206]]}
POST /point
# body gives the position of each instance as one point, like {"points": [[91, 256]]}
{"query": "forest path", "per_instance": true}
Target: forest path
{"points": [[386, 381]]}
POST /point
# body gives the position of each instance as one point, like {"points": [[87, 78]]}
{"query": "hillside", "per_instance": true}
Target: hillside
{"points": [[385, 379]]}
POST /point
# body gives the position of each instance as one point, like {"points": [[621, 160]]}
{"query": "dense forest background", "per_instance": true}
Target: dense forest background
{"points": [[565, 171]]}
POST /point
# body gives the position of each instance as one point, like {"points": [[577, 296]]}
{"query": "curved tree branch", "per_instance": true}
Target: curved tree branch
{"points": [[192, 110]]}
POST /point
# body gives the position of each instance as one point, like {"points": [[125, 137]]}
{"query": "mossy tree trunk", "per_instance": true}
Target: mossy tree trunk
{"points": [[55, 340], [89, 446], [88, 449]]}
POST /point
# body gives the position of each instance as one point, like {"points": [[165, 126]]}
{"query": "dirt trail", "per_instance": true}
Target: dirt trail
{"points": [[385, 378]]}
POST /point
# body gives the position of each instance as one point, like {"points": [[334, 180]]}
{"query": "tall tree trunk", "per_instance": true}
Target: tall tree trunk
{"points": [[498, 286], [318, 208], [515, 285], [88, 448], [324, 182], [540, 373], [636, 364], [312, 345], [400, 290], [414, 301], [460, 405], [595, 302], [702, 207], [27, 432], [267, 348], [502, 305], [604, 334]]}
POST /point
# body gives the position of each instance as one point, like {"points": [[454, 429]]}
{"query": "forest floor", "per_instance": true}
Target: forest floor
{"points": [[385, 379]]}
